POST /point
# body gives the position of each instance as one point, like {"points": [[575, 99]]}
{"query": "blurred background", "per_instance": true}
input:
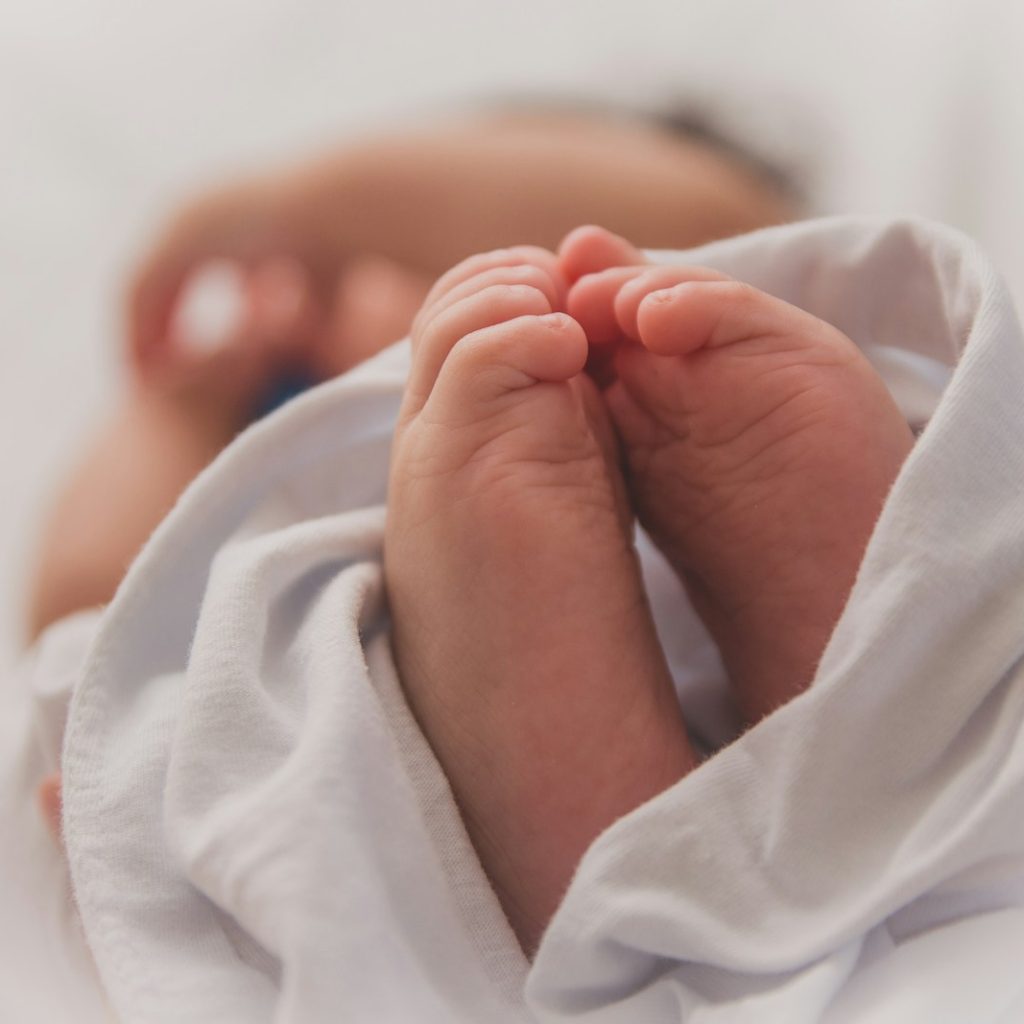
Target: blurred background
{"points": [[113, 112]]}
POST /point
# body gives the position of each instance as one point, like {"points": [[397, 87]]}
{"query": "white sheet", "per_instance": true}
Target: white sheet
{"points": [[859, 855], [257, 831], [46, 973]]}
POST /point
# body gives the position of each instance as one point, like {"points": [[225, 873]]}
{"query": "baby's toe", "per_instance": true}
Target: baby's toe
{"points": [[492, 362], [606, 303], [591, 302], [522, 255], [435, 340], [518, 275], [712, 311], [633, 295], [590, 249]]}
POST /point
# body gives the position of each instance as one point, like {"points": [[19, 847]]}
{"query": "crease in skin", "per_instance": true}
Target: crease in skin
{"points": [[726, 443], [483, 459], [809, 356], [675, 416]]}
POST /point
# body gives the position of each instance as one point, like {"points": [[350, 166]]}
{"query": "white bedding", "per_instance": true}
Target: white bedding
{"points": [[257, 830]]}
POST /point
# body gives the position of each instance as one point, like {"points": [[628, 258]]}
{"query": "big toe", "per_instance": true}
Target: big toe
{"points": [[491, 363], [589, 249]]}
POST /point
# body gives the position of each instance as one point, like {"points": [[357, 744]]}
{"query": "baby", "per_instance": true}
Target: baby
{"points": [[752, 441], [554, 397], [267, 728]]}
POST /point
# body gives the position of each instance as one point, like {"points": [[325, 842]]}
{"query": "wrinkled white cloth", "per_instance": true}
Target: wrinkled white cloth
{"points": [[257, 830], [46, 975]]}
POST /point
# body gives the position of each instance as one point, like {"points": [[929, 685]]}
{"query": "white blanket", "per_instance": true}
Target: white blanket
{"points": [[257, 831]]}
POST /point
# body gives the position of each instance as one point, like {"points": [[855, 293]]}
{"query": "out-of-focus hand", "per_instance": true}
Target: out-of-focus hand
{"points": [[284, 277]]}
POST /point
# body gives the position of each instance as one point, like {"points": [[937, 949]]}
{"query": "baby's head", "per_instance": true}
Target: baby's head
{"points": [[670, 178], [665, 181]]}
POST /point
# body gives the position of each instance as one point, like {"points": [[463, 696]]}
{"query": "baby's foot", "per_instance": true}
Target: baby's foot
{"points": [[760, 445], [521, 629]]}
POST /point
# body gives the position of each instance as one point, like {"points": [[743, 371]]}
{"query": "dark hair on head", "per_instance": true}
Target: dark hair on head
{"points": [[686, 120], [690, 124]]}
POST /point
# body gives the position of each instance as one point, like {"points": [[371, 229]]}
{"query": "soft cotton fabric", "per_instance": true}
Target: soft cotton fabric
{"points": [[46, 973], [257, 830]]}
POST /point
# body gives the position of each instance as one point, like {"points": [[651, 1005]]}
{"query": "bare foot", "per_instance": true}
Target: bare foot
{"points": [[521, 629], [760, 446]]}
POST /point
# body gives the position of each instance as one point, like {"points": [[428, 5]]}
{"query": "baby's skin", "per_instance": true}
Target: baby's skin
{"points": [[758, 447], [521, 628]]}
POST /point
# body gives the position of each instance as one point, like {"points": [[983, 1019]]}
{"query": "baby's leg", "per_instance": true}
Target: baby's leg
{"points": [[760, 446], [521, 628]]}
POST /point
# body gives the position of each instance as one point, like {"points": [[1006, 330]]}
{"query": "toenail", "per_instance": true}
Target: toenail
{"points": [[556, 321]]}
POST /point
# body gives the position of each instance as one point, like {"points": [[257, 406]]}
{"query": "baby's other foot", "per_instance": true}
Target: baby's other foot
{"points": [[760, 446], [521, 630]]}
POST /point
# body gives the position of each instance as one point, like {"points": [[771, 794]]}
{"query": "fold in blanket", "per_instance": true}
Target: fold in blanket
{"points": [[257, 831]]}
